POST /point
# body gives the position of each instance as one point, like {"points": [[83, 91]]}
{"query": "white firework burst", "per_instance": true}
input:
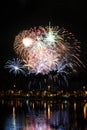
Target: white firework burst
{"points": [[15, 66]]}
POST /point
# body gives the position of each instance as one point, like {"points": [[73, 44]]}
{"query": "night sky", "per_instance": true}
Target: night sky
{"points": [[16, 15]]}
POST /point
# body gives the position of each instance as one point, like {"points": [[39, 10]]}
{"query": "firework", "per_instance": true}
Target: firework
{"points": [[47, 55], [15, 66], [48, 49]]}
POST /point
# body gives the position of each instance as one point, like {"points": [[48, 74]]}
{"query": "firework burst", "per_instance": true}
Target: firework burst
{"points": [[47, 49], [15, 66]]}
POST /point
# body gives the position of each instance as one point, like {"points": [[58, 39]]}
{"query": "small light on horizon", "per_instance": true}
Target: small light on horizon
{"points": [[14, 85]]}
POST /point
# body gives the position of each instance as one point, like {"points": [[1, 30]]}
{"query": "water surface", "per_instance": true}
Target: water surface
{"points": [[22, 114]]}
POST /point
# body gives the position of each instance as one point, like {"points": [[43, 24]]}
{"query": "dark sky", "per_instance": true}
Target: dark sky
{"points": [[16, 15]]}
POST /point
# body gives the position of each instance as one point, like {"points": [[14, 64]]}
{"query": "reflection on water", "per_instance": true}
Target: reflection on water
{"points": [[20, 114]]}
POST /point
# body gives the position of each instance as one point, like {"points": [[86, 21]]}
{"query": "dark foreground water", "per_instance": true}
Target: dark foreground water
{"points": [[21, 114]]}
